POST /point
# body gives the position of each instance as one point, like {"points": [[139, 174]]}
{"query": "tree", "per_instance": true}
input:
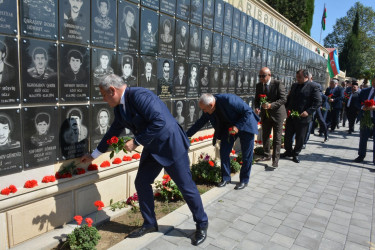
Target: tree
{"points": [[299, 12], [366, 34]]}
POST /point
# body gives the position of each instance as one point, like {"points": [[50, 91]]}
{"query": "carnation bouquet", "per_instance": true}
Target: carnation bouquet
{"points": [[330, 104], [263, 100], [294, 114], [117, 144], [366, 121]]}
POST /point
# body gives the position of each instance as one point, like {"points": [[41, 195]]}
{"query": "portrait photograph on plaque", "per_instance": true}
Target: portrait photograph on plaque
{"points": [[183, 9], [232, 81], [216, 50], [204, 79], [179, 112], [247, 58], [206, 48], [10, 141], [251, 102], [165, 78], [208, 14], [236, 23], [195, 43], [249, 29], [228, 19], [149, 32], [219, 16], [193, 84], [253, 59], [166, 36], [260, 34], [234, 53], [9, 87], [168, 7], [224, 79], [192, 110], [39, 18], [74, 131], [74, 73], [41, 136], [75, 21], [8, 20], [128, 26], [258, 59], [196, 9], [239, 83], [255, 31], [148, 70], [103, 63], [270, 39], [152, 4], [264, 57], [241, 54], [253, 81], [243, 26], [225, 53], [215, 75], [182, 39], [103, 23], [180, 78], [128, 68], [39, 71], [266, 37], [246, 81]]}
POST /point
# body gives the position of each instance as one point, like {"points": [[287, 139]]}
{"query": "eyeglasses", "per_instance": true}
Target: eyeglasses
{"points": [[262, 76]]}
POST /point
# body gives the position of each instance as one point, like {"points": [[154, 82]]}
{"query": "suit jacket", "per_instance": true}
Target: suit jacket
{"points": [[152, 124], [276, 97], [308, 100], [177, 81], [8, 75], [363, 96], [355, 104], [152, 83], [235, 110], [181, 43], [338, 97]]}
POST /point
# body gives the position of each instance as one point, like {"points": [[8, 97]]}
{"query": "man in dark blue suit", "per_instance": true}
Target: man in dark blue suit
{"points": [[353, 106], [365, 133], [164, 142], [226, 111], [335, 95]]}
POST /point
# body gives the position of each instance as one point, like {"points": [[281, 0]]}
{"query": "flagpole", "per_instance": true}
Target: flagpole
{"points": [[321, 27]]}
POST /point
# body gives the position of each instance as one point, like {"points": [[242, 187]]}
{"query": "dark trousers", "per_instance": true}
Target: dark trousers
{"points": [[247, 148], [352, 115], [322, 123], [294, 126], [344, 116], [333, 118], [180, 173], [267, 126], [310, 128], [364, 135]]}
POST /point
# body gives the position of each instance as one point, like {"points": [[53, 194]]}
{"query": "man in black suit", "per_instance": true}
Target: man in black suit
{"points": [[147, 79], [7, 71], [272, 113], [180, 79], [304, 98], [181, 39], [128, 29], [335, 95], [353, 106]]}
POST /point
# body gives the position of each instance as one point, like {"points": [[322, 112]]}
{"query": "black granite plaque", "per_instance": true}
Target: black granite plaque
{"points": [[10, 141], [243, 26], [166, 38], [153, 4], [103, 63], [41, 136], [246, 81], [251, 102], [165, 78], [270, 59], [168, 6], [241, 54], [264, 57], [208, 14], [179, 112], [219, 16], [180, 78], [255, 31], [266, 37], [128, 26], [103, 26], [232, 81], [39, 67], [249, 29], [253, 81], [195, 43], [253, 59], [258, 60], [236, 23], [75, 21], [215, 75], [9, 87], [206, 50], [74, 73], [182, 38], [275, 37], [228, 18], [147, 76], [271, 39], [247, 62], [239, 83], [39, 18], [74, 133], [223, 85], [260, 34], [192, 86], [183, 9], [204, 79], [128, 68], [225, 53], [134, 1], [8, 13], [234, 53], [168, 103], [196, 9], [192, 112], [149, 32], [216, 50]]}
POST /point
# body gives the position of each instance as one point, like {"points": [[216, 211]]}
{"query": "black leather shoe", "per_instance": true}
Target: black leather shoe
{"points": [[295, 159], [223, 183], [304, 146], [325, 140], [265, 158], [275, 164], [142, 231], [358, 159], [240, 186], [199, 237], [284, 155]]}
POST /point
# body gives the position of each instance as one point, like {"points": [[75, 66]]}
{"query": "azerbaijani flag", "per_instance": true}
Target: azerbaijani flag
{"points": [[324, 18], [333, 63]]}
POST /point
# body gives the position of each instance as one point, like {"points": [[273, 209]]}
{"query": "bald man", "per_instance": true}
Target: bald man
{"points": [[272, 113]]}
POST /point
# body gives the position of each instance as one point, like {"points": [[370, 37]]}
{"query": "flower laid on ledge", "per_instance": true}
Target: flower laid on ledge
{"points": [[92, 167], [136, 156], [68, 170], [58, 175], [30, 184], [127, 158], [48, 178], [8, 190], [201, 138], [105, 164], [99, 205], [78, 219], [117, 161], [89, 221], [79, 171]]}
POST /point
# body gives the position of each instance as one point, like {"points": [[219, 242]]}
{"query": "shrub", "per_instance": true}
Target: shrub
{"points": [[235, 166], [206, 171], [259, 150], [167, 190], [83, 237]]}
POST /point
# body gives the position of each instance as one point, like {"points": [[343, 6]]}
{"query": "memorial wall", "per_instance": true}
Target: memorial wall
{"points": [[54, 53]]}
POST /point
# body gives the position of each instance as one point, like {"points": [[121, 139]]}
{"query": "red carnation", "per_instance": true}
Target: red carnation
{"points": [[78, 219], [92, 167], [260, 142], [13, 189], [262, 96], [49, 178], [109, 142], [99, 204], [235, 159], [5, 191], [30, 184], [89, 221], [66, 175], [105, 164], [233, 151], [80, 171], [114, 139], [117, 161], [126, 158], [136, 156], [270, 136], [157, 194], [211, 163]]}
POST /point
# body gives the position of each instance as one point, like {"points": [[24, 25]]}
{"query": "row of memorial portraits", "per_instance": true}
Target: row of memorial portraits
{"points": [[145, 31], [71, 73]]}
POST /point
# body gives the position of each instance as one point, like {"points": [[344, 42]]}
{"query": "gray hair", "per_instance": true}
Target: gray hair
{"points": [[111, 80], [206, 99]]}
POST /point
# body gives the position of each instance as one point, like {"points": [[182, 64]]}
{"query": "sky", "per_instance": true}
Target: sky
{"points": [[335, 10]]}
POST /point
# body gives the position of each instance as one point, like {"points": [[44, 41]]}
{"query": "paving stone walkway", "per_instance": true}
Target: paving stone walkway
{"points": [[325, 202]]}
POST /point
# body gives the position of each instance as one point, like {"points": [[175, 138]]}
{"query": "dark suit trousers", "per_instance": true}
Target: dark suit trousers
{"points": [[308, 132], [352, 115], [267, 126], [295, 126], [364, 135], [247, 148], [333, 118], [322, 123], [180, 173]]}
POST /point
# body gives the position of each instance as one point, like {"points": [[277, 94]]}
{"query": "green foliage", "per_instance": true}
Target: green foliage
{"points": [[204, 173], [235, 166], [259, 150], [83, 237], [167, 190], [117, 205], [119, 146]]}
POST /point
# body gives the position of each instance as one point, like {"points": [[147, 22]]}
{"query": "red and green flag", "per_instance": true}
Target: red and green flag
{"points": [[333, 64], [324, 18]]}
